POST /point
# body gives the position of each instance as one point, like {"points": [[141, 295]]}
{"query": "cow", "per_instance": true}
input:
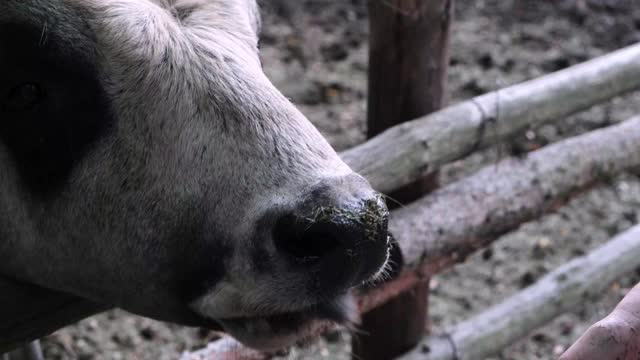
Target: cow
{"points": [[146, 162]]}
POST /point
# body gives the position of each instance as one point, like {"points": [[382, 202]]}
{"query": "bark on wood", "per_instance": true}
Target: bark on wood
{"points": [[453, 222], [395, 327], [559, 291], [408, 60], [448, 225], [406, 152], [409, 57], [616, 336]]}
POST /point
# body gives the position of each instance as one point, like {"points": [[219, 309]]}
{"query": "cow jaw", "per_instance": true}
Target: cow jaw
{"points": [[277, 331]]}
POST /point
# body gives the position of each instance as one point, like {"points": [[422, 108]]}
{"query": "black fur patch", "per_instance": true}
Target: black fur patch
{"points": [[203, 273], [203, 253], [52, 104]]}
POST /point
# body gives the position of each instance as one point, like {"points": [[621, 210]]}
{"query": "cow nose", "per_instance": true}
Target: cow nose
{"points": [[341, 241]]}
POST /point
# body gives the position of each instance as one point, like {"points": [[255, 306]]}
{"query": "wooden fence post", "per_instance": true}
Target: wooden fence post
{"points": [[408, 62]]}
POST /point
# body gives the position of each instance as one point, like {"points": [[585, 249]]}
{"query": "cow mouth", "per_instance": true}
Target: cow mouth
{"points": [[274, 332]]}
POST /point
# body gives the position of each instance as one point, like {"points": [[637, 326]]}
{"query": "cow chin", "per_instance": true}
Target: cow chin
{"points": [[274, 332]]}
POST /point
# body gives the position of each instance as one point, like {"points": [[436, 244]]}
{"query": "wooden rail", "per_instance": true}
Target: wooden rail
{"points": [[404, 153], [557, 292]]}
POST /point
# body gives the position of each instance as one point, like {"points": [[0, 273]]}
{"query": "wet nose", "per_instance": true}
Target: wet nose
{"points": [[338, 234]]}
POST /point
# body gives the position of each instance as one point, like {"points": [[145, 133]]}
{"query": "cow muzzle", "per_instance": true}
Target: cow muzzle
{"points": [[338, 236], [327, 241]]}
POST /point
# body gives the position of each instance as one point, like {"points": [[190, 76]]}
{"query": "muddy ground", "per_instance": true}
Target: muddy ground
{"points": [[318, 58]]}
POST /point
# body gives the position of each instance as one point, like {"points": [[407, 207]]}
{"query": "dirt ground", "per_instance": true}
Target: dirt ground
{"points": [[318, 58]]}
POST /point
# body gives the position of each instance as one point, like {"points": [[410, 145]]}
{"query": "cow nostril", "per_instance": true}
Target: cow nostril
{"points": [[304, 239], [332, 248]]}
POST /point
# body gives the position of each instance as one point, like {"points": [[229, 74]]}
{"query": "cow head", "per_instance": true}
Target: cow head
{"points": [[147, 162]]}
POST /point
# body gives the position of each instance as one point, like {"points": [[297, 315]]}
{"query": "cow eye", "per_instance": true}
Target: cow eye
{"points": [[22, 97]]}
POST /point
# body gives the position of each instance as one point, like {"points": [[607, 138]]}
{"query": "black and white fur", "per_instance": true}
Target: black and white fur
{"points": [[143, 155]]}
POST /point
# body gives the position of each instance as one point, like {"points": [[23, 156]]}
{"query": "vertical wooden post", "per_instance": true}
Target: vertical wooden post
{"points": [[408, 62]]}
